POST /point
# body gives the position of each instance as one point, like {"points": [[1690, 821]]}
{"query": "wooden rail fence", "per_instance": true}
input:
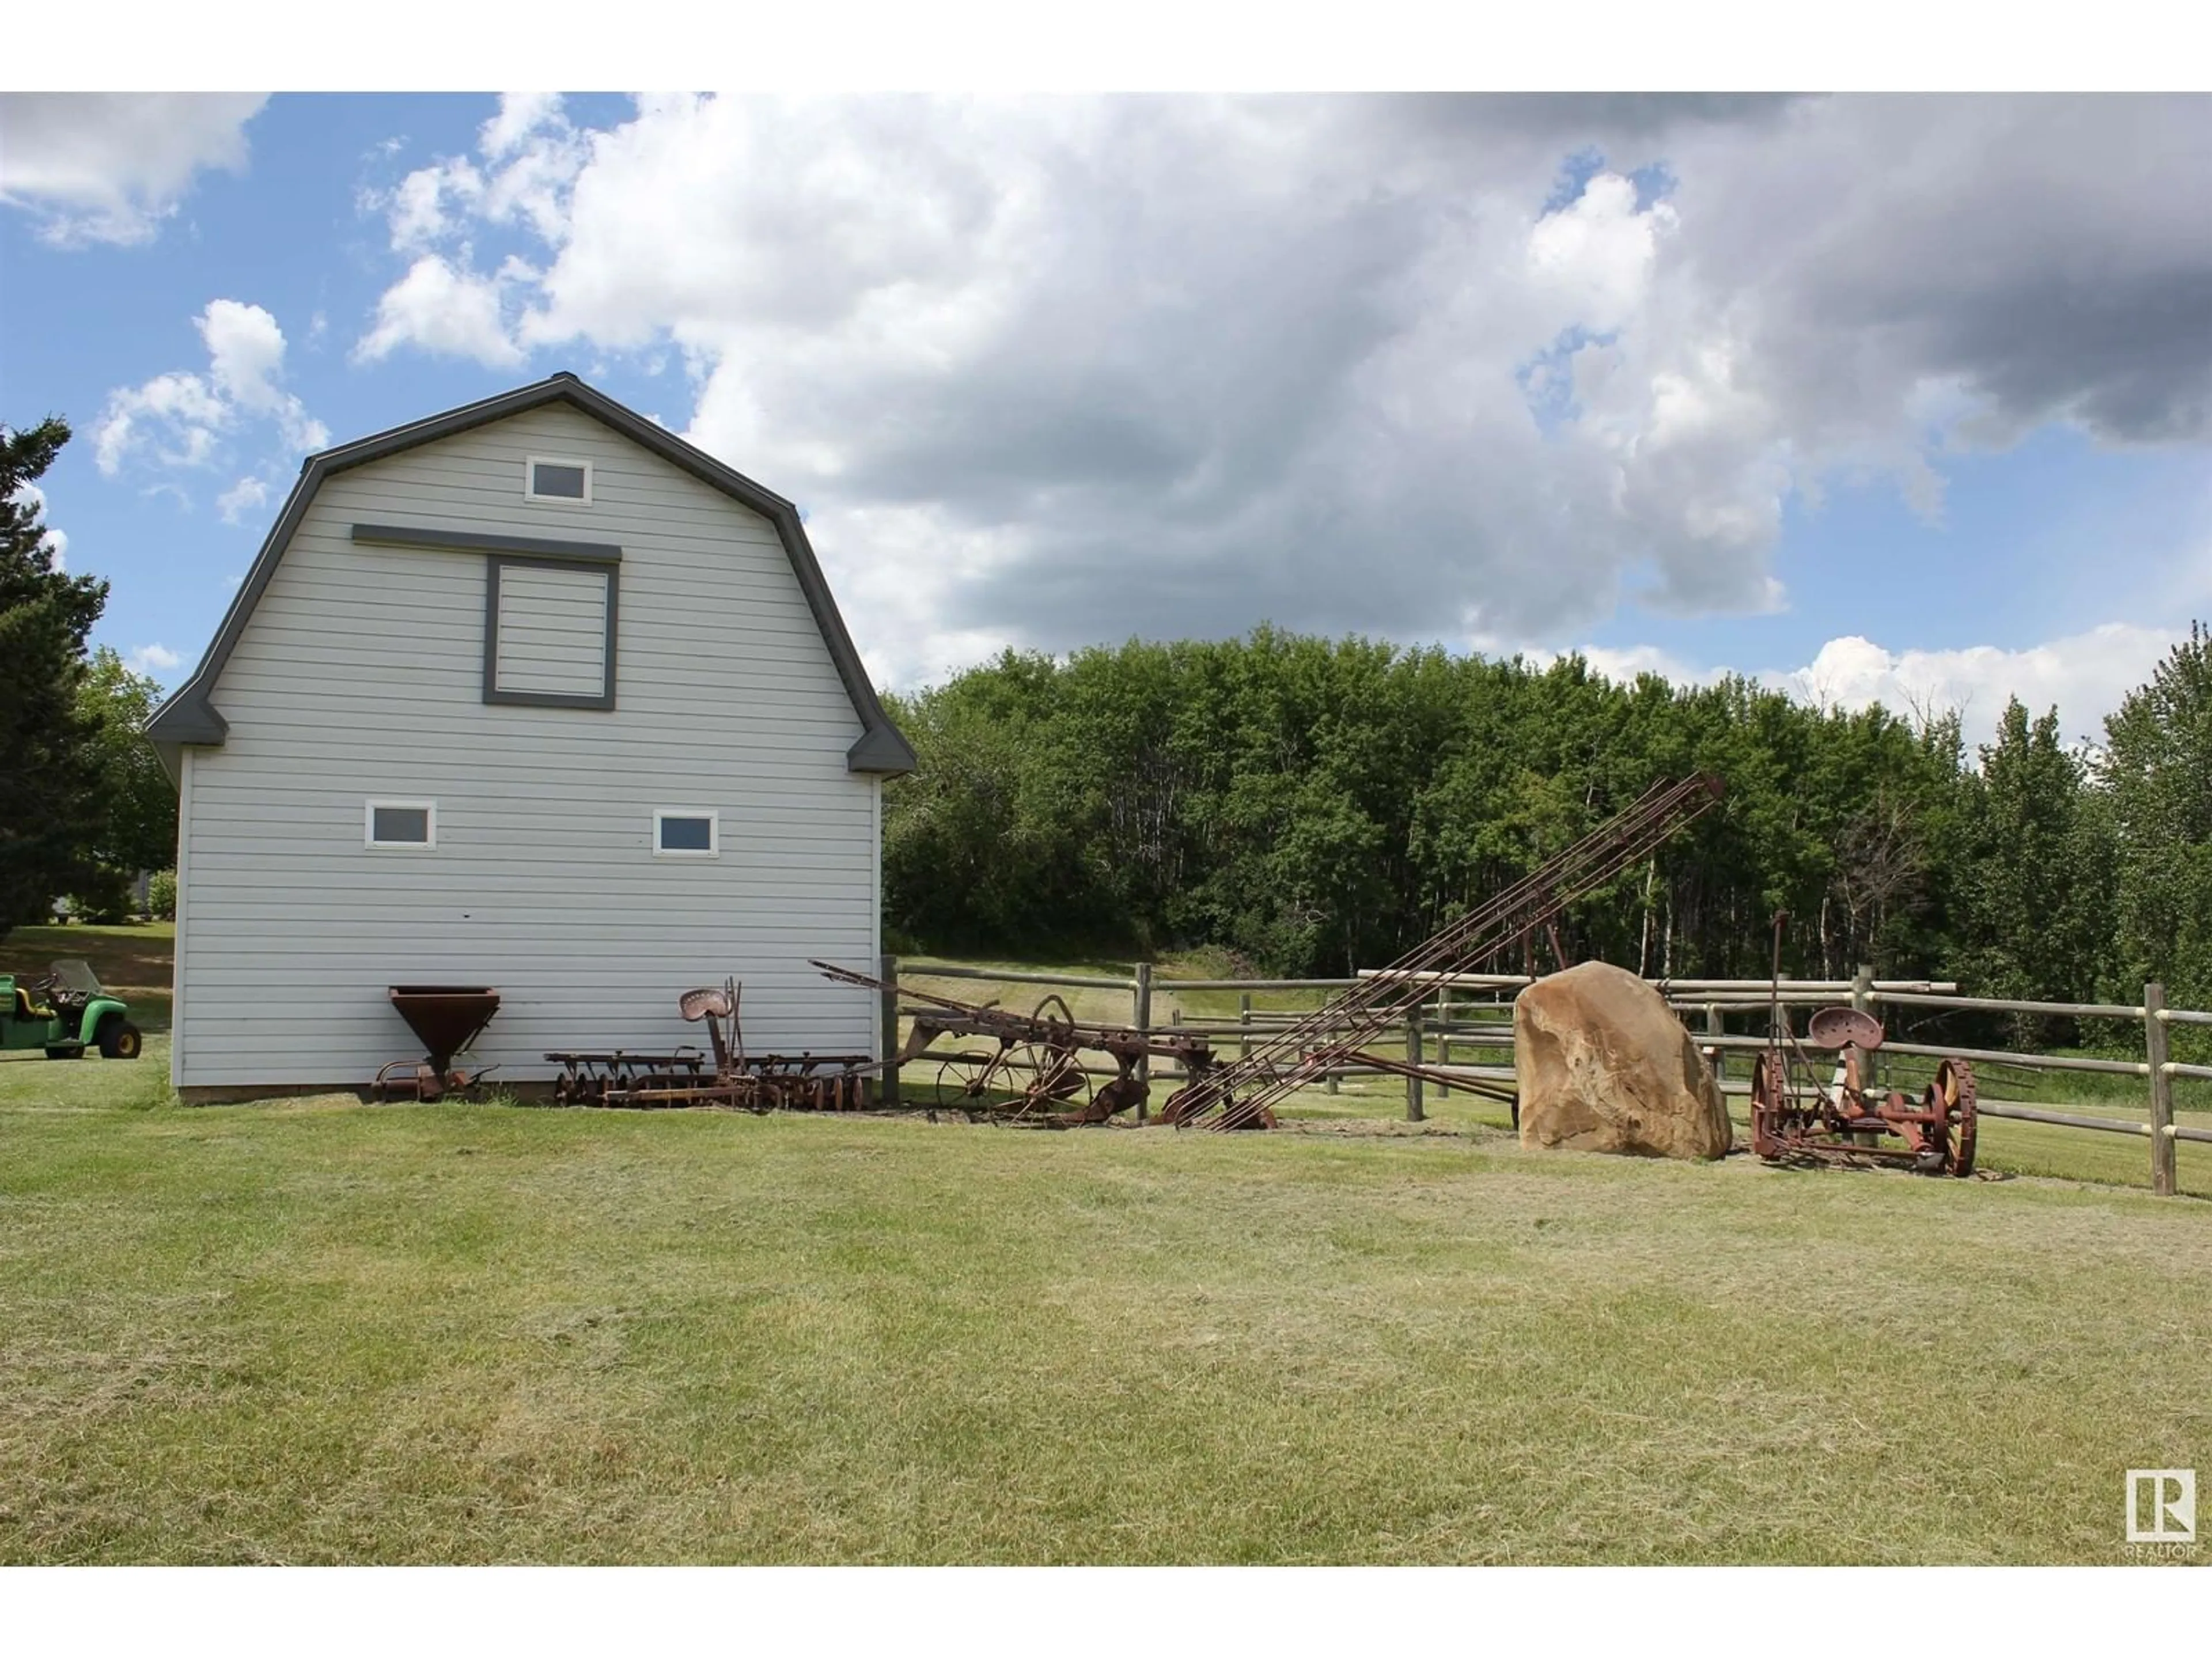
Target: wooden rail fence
{"points": [[1481, 1019]]}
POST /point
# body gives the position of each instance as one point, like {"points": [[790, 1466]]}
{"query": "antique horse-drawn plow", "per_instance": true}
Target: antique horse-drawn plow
{"points": [[1849, 1119], [1036, 1064], [1037, 1061]]}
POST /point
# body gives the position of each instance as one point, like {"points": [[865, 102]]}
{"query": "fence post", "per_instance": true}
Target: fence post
{"points": [[887, 1080], [1244, 1019], [1413, 1113], [1863, 1001], [1715, 1026], [2161, 1092], [1143, 994], [1444, 1037]]}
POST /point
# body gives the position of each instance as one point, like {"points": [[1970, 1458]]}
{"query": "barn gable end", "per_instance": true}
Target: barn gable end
{"points": [[363, 663]]}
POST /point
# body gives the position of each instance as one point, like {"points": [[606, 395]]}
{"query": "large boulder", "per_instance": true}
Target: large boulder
{"points": [[1604, 1067]]}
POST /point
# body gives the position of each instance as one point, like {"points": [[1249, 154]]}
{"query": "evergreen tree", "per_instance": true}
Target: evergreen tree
{"points": [[51, 810]]}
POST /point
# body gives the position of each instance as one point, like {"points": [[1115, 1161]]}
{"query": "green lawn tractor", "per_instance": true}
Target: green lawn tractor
{"points": [[66, 1014]]}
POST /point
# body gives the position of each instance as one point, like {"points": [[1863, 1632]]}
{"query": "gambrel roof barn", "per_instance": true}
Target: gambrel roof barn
{"points": [[534, 695]]}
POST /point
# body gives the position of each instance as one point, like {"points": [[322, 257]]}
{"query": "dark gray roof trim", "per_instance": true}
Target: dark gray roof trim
{"points": [[189, 717], [472, 541]]}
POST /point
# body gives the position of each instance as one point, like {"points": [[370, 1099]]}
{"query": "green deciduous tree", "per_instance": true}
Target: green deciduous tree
{"points": [[138, 829], [1318, 805], [2033, 916], [2157, 772], [52, 812]]}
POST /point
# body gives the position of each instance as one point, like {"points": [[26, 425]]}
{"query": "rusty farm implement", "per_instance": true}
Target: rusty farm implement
{"points": [[1036, 1062], [1242, 1094], [758, 1083], [1796, 1117], [1034, 1071]]}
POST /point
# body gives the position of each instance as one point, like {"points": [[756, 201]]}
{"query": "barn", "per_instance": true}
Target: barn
{"points": [[531, 695]]}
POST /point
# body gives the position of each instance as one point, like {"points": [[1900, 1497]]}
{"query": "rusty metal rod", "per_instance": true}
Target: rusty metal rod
{"points": [[1248, 1087]]}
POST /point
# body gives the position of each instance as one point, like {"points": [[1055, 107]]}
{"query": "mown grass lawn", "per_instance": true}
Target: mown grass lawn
{"points": [[320, 1331]]}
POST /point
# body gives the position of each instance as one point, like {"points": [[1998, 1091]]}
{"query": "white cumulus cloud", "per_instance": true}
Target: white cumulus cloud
{"points": [[241, 498], [529, 155], [1595, 255], [445, 309], [181, 419], [152, 658], [246, 356], [110, 167], [1098, 367], [429, 203], [521, 114], [177, 416], [2084, 676], [54, 541]]}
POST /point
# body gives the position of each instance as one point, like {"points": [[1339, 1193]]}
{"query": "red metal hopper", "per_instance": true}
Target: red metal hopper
{"points": [[448, 1019]]}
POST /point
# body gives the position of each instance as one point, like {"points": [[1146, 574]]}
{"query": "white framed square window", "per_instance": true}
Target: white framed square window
{"points": [[687, 832], [561, 479], [409, 826]]}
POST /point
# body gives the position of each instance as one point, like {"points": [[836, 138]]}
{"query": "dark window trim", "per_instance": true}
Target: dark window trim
{"points": [[471, 541], [496, 564]]}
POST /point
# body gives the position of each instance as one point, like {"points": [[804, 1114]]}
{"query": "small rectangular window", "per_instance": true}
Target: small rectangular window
{"points": [[686, 832], [553, 479], [412, 824]]}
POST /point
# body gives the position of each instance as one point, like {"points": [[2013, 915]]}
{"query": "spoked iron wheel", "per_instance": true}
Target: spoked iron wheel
{"points": [[1045, 1075], [964, 1080], [1953, 1094]]}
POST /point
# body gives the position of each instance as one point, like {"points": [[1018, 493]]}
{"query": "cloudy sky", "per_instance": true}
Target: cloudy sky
{"points": [[1895, 397]]}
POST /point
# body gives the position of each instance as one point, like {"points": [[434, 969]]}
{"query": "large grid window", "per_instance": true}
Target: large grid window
{"points": [[550, 632]]}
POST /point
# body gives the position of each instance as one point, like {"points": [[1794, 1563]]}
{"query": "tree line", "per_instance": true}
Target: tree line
{"points": [[1319, 805], [1312, 806], [84, 805]]}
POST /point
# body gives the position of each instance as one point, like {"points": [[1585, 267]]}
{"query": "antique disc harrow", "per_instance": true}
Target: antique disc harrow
{"points": [[755, 1082]]}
